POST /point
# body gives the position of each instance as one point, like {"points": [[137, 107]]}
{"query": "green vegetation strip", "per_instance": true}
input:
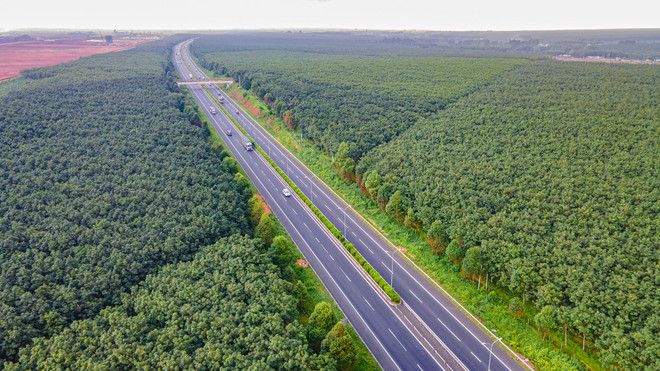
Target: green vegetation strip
{"points": [[337, 233]]}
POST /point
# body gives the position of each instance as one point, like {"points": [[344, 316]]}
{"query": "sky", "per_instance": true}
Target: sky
{"points": [[440, 15]]}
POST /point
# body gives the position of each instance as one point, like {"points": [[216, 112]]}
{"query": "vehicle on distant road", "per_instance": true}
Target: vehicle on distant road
{"points": [[228, 132], [247, 143], [237, 112], [286, 192], [221, 100], [212, 111]]}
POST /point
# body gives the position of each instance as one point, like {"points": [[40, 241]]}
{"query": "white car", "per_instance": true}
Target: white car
{"points": [[286, 192]]}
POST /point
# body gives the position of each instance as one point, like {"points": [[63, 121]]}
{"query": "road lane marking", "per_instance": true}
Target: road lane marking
{"points": [[420, 367], [476, 357], [349, 280], [448, 329], [294, 211], [388, 268], [369, 304], [317, 240], [416, 297], [307, 226], [397, 339]]}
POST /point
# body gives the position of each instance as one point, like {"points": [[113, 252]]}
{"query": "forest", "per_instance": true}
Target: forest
{"points": [[226, 309], [361, 100], [549, 174], [540, 174], [104, 182], [128, 240]]}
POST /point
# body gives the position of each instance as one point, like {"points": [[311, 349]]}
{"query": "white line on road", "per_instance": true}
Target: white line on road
{"points": [[317, 240], [349, 280], [476, 357], [416, 297], [397, 339], [369, 304], [448, 329]]}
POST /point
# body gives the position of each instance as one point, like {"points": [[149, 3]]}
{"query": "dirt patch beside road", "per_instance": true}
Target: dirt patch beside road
{"points": [[18, 56]]}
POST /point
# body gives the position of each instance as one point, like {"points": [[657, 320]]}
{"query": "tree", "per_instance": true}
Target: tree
{"points": [[268, 98], [280, 251], [384, 194], [395, 205], [373, 183], [436, 237], [454, 251], [217, 146], [265, 230], [341, 155], [243, 184], [348, 169], [301, 293], [338, 345], [321, 321], [410, 220], [255, 210], [344, 164], [231, 164], [516, 307], [472, 263], [546, 319], [288, 120]]}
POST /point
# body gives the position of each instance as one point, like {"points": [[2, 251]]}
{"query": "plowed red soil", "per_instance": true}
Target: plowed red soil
{"points": [[18, 56]]}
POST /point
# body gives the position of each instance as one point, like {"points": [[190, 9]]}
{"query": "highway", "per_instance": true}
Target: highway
{"points": [[393, 335], [437, 318]]}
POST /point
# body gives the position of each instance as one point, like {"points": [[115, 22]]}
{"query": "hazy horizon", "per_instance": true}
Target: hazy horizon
{"points": [[388, 15]]}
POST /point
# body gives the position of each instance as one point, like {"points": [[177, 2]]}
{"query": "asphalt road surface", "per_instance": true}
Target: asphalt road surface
{"points": [[428, 331]]}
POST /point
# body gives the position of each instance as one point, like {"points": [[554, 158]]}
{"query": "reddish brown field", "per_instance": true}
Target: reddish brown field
{"points": [[17, 56]]}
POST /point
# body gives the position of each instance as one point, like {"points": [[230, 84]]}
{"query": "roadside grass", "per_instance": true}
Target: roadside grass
{"points": [[490, 306], [315, 289]]}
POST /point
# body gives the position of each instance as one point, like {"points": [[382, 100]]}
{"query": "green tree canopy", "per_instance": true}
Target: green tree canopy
{"points": [[280, 251], [473, 261], [255, 210], [373, 183], [320, 323], [454, 251], [339, 346], [546, 319], [395, 206], [436, 237], [265, 230]]}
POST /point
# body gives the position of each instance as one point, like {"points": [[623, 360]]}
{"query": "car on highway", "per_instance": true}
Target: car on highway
{"points": [[286, 192], [228, 132]]}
